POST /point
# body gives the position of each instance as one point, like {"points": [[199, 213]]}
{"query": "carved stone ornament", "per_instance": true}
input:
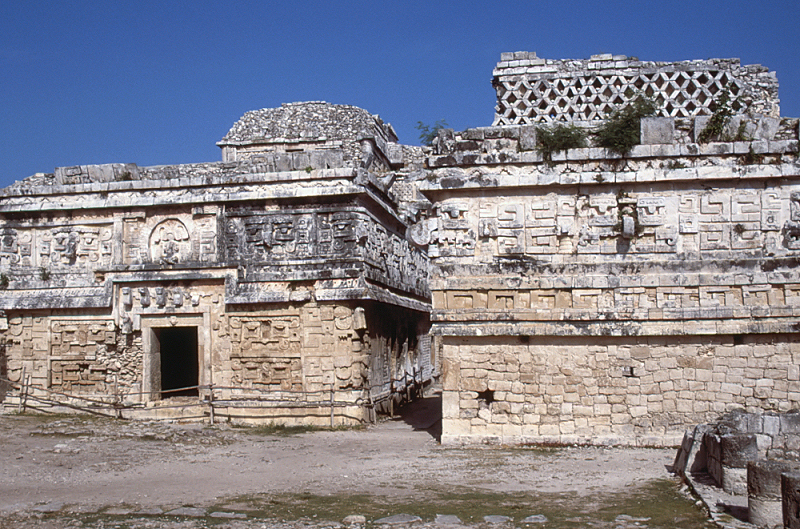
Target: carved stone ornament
{"points": [[170, 242]]}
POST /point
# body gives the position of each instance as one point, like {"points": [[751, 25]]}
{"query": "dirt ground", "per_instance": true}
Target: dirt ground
{"points": [[73, 471]]}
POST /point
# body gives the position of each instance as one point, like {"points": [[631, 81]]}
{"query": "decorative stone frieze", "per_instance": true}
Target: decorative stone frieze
{"points": [[280, 280], [608, 299], [535, 90]]}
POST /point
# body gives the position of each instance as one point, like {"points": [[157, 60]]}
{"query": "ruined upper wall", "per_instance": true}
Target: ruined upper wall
{"points": [[535, 90], [307, 200], [311, 126]]}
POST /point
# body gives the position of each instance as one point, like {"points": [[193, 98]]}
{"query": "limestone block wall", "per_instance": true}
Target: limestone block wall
{"points": [[610, 390], [283, 352], [601, 299]]}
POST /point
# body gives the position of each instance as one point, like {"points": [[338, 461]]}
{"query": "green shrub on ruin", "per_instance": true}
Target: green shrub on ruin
{"points": [[622, 130], [721, 114], [427, 133], [559, 137]]}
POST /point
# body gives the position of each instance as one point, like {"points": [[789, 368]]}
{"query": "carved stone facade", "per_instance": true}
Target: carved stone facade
{"points": [[608, 299], [267, 285], [585, 297]]}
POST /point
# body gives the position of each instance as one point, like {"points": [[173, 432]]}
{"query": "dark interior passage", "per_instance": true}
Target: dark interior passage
{"points": [[179, 363]]}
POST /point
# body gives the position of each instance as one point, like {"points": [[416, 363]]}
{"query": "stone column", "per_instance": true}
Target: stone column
{"points": [[790, 499], [735, 451], [764, 491]]}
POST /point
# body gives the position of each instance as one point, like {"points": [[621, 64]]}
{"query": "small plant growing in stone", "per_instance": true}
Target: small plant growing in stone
{"points": [[741, 135], [427, 133], [4, 281], [44, 274], [721, 113], [557, 138], [739, 229], [622, 130], [308, 169], [751, 158]]}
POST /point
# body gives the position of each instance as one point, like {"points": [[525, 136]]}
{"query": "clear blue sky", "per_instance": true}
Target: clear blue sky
{"points": [[160, 82]]}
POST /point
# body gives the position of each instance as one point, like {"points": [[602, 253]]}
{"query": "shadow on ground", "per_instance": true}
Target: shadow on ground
{"points": [[424, 414]]}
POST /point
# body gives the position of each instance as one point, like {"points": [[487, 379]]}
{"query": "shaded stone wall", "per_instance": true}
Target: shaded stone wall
{"points": [[400, 354], [4, 385]]}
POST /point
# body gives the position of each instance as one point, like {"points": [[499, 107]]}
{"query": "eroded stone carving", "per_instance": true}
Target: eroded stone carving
{"points": [[170, 242]]}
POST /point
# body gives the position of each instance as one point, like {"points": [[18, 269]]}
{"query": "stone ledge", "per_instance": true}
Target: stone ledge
{"points": [[616, 328]]}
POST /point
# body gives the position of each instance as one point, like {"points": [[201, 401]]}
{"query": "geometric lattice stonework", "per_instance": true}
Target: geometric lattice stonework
{"points": [[532, 90]]}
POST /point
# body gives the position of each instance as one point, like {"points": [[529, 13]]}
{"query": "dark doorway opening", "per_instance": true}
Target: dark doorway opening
{"points": [[179, 361]]}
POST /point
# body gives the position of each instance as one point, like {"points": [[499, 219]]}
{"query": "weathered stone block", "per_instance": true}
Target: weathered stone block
{"points": [[657, 130]]}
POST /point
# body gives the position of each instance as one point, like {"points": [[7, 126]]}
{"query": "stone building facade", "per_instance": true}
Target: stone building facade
{"points": [[280, 277], [575, 296], [606, 298]]}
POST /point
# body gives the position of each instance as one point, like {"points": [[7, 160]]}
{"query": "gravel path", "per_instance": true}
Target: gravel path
{"points": [[74, 471]]}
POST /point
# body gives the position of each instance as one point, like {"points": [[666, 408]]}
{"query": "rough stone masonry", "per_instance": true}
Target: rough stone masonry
{"points": [[277, 284], [582, 296], [598, 297]]}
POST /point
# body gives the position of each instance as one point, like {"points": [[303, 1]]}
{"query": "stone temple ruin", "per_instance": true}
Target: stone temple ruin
{"points": [[279, 279], [569, 295]]}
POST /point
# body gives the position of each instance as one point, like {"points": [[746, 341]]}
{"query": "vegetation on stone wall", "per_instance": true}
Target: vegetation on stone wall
{"points": [[428, 133], [4, 281], [622, 130], [721, 114], [557, 138]]}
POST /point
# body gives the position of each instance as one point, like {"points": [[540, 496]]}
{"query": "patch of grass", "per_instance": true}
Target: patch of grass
{"points": [[741, 135], [622, 130], [674, 164], [427, 133], [659, 501], [282, 430], [751, 158]]}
